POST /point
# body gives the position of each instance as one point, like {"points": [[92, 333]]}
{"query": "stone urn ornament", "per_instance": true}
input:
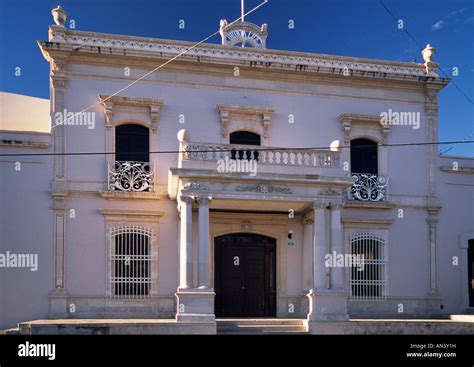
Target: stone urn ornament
{"points": [[59, 16], [428, 54]]}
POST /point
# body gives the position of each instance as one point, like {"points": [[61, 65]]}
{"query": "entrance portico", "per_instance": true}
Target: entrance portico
{"points": [[302, 214]]}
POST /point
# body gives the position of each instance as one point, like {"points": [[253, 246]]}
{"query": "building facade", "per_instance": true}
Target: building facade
{"points": [[234, 182]]}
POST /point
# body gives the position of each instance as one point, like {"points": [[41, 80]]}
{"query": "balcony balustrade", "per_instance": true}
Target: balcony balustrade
{"points": [[264, 155]]}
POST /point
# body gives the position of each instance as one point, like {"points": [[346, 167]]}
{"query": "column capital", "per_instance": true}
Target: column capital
{"points": [[320, 205], [203, 200], [336, 206], [307, 221], [187, 199]]}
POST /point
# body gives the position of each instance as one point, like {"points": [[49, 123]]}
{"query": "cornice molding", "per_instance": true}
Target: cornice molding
{"points": [[268, 59]]}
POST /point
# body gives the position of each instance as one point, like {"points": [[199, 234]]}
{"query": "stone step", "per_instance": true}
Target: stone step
{"points": [[462, 318], [266, 321], [261, 326]]}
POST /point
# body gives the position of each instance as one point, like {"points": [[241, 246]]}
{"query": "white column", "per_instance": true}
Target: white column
{"points": [[319, 246], [204, 256], [307, 275], [186, 243], [337, 245]]}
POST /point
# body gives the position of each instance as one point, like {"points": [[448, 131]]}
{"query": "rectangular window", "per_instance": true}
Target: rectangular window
{"points": [[368, 267], [130, 249]]}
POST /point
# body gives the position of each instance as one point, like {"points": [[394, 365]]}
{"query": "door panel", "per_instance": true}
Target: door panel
{"points": [[245, 275]]}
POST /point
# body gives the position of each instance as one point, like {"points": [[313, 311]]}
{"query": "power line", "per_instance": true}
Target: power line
{"points": [[447, 150], [421, 47], [224, 149], [165, 63]]}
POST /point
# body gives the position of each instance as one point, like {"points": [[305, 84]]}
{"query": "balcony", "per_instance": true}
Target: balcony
{"points": [[130, 176], [269, 159], [369, 187]]}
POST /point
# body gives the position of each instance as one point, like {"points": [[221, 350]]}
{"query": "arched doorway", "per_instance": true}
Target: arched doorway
{"points": [[245, 275]]}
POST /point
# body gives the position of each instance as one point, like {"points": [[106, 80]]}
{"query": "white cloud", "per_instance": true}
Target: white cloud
{"points": [[438, 25], [469, 20]]}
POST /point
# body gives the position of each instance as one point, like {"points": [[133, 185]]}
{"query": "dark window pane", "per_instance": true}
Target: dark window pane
{"points": [[364, 156], [132, 143], [244, 138]]}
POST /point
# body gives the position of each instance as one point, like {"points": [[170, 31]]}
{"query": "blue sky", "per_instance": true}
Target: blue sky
{"points": [[360, 28]]}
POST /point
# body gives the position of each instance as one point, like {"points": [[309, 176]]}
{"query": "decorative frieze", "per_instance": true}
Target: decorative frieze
{"points": [[195, 186], [329, 192], [264, 189], [310, 63]]}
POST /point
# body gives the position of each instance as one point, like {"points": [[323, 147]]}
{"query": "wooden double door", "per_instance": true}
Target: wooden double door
{"points": [[245, 275]]}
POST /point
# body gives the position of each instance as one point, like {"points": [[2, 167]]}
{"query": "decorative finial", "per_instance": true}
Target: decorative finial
{"points": [[428, 54], [59, 16], [183, 136]]}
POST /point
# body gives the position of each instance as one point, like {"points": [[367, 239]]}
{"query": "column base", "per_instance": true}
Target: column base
{"points": [[58, 303], [434, 303], [195, 305], [330, 328], [327, 306]]}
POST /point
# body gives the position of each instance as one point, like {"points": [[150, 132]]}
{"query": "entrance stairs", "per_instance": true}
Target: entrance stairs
{"points": [[261, 326]]}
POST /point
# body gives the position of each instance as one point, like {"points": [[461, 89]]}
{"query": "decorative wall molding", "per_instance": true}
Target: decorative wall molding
{"points": [[250, 118], [246, 225], [111, 213], [23, 144], [464, 170], [112, 104], [372, 223], [370, 205], [330, 192], [292, 60], [195, 186], [370, 122], [129, 195], [263, 189]]}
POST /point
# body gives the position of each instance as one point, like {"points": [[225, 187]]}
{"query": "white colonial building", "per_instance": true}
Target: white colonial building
{"points": [[234, 182]]}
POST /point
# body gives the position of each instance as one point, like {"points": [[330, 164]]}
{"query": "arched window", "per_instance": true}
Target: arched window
{"points": [[364, 156], [368, 266], [244, 138], [132, 143], [130, 250]]}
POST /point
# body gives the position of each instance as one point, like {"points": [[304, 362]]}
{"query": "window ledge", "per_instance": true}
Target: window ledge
{"points": [[385, 205], [124, 195]]}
